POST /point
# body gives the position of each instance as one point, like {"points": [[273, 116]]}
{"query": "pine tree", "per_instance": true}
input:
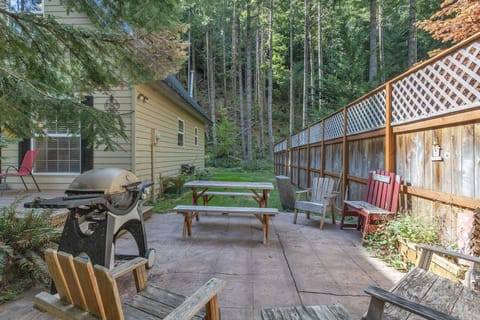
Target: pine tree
{"points": [[46, 67]]}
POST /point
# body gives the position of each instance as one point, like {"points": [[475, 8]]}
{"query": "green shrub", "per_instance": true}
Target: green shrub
{"points": [[384, 241], [23, 238], [173, 185]]}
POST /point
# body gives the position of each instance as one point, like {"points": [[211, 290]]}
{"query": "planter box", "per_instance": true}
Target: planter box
{"points": [[440, 265]]}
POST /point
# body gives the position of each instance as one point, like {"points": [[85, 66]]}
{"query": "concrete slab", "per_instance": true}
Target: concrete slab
{"points": [[301, 264]]}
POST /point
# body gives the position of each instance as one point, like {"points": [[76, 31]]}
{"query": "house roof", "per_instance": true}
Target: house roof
{"points": [[177, 87]]}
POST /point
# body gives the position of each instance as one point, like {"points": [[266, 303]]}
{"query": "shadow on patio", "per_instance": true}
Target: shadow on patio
{"points": [[300, 265]]}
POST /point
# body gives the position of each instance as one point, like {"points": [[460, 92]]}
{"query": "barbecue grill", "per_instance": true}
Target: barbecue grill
{"points": [[102, 203]]}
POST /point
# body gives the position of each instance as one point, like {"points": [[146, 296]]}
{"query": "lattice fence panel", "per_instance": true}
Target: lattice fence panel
{"points": [[303, 137], [334, 126], [316, 132], [295, 140], [281, 146], [448, 85], [368, 114]]}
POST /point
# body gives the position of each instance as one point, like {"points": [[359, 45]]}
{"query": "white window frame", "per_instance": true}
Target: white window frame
{"points": [[55, 134], [180, 132], [195, 135]]}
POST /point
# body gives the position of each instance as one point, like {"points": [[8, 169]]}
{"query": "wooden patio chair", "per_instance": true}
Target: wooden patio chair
{"points": [[319, 199], [379, 204], [25, 169], [90, 292]]}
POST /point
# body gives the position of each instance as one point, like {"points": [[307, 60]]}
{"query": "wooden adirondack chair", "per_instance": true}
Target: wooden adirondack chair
{"points": [[319, 199], [90, 292], [25, 169]]}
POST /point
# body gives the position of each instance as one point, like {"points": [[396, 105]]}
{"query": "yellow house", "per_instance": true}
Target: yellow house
{"points": [[165, 126]]}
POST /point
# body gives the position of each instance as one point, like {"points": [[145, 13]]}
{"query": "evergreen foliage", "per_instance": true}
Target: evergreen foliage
{"points": [[47, 67]]}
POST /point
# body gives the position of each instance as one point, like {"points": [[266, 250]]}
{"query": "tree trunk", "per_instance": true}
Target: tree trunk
{"points": [[260, 79], [381, 49], [233, 71], [320, 53], [224, 57], [305, 65], [240, 95], [270, 83], [412, 34], [292, 115], [248, 84], [211, 85], [372, 70]]}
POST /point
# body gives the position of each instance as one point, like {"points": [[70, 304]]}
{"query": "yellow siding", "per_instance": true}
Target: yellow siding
{"points": [[161, 112], [55, 9]]}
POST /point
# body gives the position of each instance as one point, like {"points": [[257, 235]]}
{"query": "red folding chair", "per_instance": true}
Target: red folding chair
{"points": [[25, 169]]}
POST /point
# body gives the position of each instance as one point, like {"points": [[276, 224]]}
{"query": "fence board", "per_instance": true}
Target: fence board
{"points": [[437, 101]]}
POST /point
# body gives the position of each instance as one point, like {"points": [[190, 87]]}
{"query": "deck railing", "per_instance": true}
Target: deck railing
{"points": [[395, 127]]}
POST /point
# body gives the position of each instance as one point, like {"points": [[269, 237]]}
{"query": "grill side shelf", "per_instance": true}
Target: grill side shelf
{"points": [[65, 202]]}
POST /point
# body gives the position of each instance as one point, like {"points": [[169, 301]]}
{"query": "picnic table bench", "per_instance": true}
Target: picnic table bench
{"points": [[191, 211]]}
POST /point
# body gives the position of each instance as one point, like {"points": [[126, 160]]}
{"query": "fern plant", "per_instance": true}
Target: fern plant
{"points": [[23, 237]]}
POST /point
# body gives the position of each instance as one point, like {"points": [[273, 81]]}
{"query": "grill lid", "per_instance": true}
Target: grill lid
{"points": [[108, 181]]}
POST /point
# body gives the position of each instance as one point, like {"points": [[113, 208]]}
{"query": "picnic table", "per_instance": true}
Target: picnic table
{"points": [[202, 189]]}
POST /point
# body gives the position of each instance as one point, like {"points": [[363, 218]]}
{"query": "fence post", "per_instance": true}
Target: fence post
{"points": [[322, 150], [389, 136], [308, 157], [345, 153]]}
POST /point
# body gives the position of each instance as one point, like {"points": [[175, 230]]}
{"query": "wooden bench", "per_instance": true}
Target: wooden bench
{"points": [[189, 212], [425, 291], [208, 195], [379, 204], [419, 292], [90, 292]]}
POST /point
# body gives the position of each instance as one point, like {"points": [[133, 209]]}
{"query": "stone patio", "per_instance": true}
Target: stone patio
{"points": [[300, 265]]}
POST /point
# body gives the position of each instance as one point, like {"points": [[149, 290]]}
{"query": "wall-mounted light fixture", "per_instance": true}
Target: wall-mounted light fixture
{"points": [[436, 152], [111, 105], [142, 97]]}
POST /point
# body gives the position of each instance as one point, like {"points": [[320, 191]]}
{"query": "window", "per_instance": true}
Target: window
{"points": [[181, 132], [60, 149], [33, 6], [195, 135]]}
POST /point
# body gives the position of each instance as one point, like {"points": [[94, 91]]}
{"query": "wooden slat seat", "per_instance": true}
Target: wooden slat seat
{"points": [[90, 292], [191, 211], [379, 204], [320, 199]]}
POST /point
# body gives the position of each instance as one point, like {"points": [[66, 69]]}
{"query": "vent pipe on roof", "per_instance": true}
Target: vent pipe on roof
{"points": [[190, 87]]}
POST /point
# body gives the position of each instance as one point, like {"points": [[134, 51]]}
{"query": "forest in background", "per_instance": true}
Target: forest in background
{"points": [[264, 69]]}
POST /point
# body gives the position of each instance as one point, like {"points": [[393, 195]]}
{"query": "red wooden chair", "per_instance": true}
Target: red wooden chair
{"points": [[379, 204], [25, 169]]}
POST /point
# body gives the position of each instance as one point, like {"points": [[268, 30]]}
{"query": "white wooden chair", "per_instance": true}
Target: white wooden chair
{"points": [[320, 198]]}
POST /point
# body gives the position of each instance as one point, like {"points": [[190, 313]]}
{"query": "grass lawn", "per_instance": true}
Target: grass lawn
{"points": [[226, 174]]}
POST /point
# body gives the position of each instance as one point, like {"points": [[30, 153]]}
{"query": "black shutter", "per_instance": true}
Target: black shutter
{"points": [[23, 147], [87, 151]]}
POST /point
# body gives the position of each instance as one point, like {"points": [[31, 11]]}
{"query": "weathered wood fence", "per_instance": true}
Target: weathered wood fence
{"points": [[397, 127]]}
